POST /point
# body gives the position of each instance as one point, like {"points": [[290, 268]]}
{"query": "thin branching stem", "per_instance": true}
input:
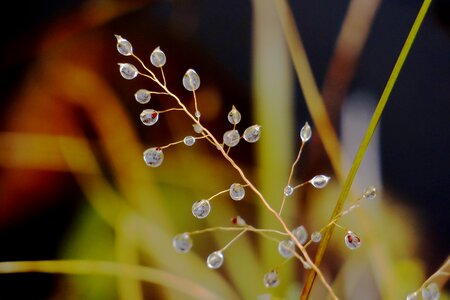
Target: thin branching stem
{"points": [[290, 175], [220, 148]]}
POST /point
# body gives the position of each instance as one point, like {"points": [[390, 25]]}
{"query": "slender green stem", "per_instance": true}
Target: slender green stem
{"points": [[366, 140]]}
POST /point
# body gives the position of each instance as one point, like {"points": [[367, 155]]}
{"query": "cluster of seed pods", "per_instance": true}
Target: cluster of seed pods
{"points": [[154, 157]]}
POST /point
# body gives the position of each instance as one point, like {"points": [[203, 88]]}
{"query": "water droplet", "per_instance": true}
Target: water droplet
{"points": [[191, 80], [319, 181], [182, 243], [234, 116], [149, 116], [153, 157], [237, 192], [215, 260], [142, 96], [286, 248], [370, 193], [128, 71], [316, 236], [197, 114], [231, 138], [123, 46], [413, 296], [197, 128], [252, 133], [305, 132], [301, 234], [271, 279], [288, 190], [189, 140], [158, 58], [352, 241], [238, 220], [201, 209], [431, 292]]}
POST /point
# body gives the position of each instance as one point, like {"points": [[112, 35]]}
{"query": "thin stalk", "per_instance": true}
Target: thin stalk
{"points": [[366, 140]]}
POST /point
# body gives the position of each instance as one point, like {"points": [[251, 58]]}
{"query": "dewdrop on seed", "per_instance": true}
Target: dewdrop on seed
{"points": [[197, 128], [252, 133], [234, 116], [316, 236], [370, 193], [271, 279], [128, 71], [288, 190], [201, 209], [142, 96], [123, 46], [352, 241], [286, 248], [215, 260], [191, 80], [305, 133], [189, 140], [237, 192], [158, 58], [149, 117], [231, 138], [301, 234], [319, 181], [182, 243], [153, 157]]}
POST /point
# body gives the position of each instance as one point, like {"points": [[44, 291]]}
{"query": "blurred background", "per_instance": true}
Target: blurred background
{"points": [[73, 184]]}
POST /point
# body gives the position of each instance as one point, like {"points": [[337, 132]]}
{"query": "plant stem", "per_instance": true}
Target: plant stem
{"points": [[366, 140]]}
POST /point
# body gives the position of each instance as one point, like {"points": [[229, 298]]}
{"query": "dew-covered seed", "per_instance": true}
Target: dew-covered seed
{"points": [[158, 58], [201, 209], [189, 140], [231, 138], [234, 116], [142, 96], [128, 71], [288, 190], [153, 157], [149, 117], [316, 236], [352, 241], [271, 279], [238, 220], [182, 243], [191, 80], [301, 234], [197, 128], [123, 46], [319, 181], [286, 248], [215, 260], [237, 192], [370, 193], [252, 133], [305, 133]]}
